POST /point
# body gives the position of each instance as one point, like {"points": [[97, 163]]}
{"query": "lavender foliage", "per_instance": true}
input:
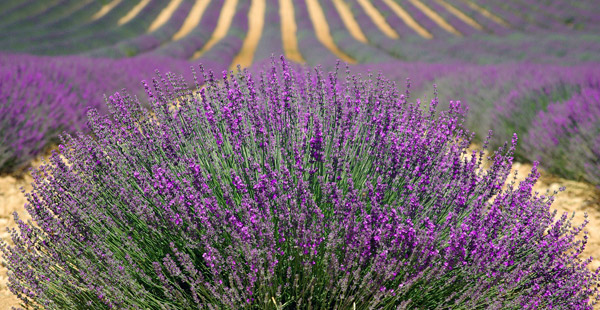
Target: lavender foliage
{"points": [[566, 136], [294, 189]]}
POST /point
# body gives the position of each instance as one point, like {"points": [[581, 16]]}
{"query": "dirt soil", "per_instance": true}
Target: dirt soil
{"points": [[11, 200], [578, 197]]}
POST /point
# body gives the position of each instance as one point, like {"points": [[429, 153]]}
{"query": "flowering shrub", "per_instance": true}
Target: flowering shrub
{"points": [[295, 190], [567, 137]]}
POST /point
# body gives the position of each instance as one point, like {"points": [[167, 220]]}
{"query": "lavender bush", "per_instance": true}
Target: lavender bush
{"points": [[291, 190]]}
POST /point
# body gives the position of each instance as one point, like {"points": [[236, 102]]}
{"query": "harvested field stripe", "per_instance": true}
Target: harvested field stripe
{"points": [[192, 20], [486, 13], [378, 19], [408, 20], [105, 9], [322, 30], [225, 19], [164, 15], [435, 17], [349, 21], [288, 31], [462, 16], [133, 12], [256, 21]]}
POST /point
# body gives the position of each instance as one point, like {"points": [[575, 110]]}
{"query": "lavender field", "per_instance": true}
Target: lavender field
{"points": [[299, 154]]}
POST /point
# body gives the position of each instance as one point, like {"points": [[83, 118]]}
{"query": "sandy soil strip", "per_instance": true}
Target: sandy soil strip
{"points": [[105, 9], [322, 31], [486, 13], [133, 12], [435, 17], [225, 19], [408, 20], [378, 19], [164, 15], [349, 21], [192, 20], [11, 200], [288, 31], [256, 21], [462, 16]]}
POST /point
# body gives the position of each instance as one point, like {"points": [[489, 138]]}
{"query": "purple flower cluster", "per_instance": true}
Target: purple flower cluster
{"points": [[567, 136], [291, 189]]}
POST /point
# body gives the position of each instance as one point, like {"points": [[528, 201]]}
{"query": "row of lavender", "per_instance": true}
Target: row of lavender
{"points": [[289, 189], [75, 32], [42, 96], [554, 109], [543, 14]]}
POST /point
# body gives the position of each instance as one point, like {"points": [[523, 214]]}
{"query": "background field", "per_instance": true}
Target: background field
{"points": [[525, 66]]}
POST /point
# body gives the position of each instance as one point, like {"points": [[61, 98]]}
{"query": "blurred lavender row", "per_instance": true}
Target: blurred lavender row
{"points": [[42, 96]]}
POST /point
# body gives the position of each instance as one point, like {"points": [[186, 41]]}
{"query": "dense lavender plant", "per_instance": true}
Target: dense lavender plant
{"points": [[293, 190]]}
